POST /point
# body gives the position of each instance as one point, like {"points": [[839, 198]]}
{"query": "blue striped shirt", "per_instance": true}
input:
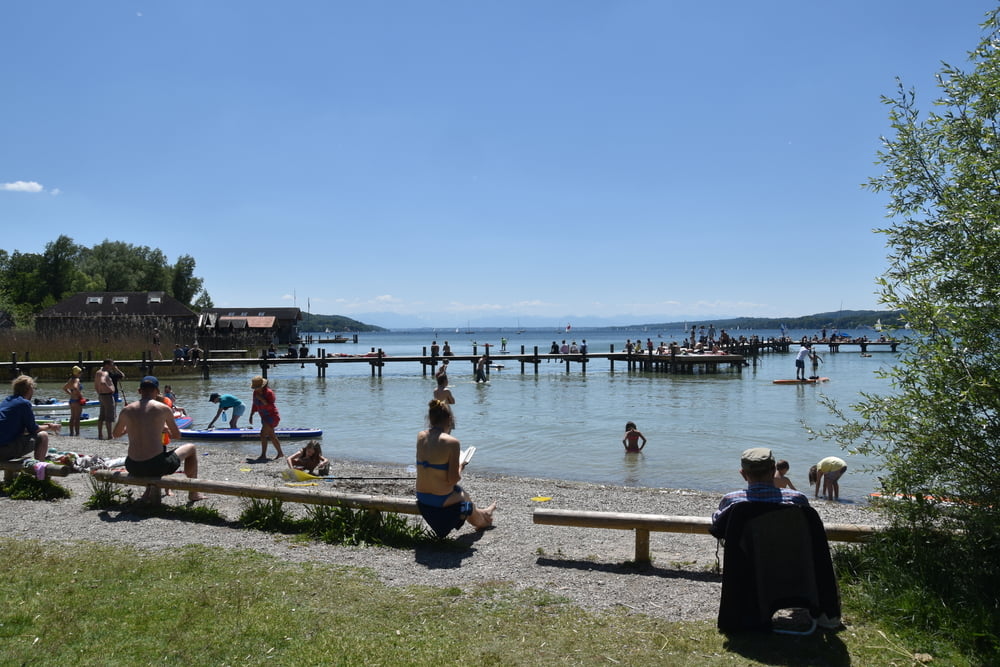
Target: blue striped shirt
{"points": [[759, 492]]}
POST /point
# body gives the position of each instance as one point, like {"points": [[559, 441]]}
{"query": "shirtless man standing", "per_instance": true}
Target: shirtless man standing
{"points": [[144, 421], [104, 385]]}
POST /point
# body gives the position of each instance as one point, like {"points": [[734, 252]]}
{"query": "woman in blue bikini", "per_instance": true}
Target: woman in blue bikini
{"points": [[438, 474]]}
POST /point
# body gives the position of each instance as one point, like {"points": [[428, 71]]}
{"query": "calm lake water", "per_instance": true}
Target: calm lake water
{"points": [[559, 424]]}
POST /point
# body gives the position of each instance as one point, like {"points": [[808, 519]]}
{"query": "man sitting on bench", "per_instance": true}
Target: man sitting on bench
{"points": [[144, 421]]}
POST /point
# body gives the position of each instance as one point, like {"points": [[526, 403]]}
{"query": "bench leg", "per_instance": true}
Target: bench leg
{"points": [[152, 495], [642, 546]]}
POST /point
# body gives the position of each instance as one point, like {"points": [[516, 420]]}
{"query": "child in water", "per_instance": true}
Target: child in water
{"points": [[310, 458], [632, 437], [780, 481]]}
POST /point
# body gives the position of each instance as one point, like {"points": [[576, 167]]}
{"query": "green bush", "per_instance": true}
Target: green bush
{"points": [[26, 487]]}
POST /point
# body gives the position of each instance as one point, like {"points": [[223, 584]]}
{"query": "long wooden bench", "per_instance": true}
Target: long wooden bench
{"points": [[181, 483], [642, 524], [11, 468]]}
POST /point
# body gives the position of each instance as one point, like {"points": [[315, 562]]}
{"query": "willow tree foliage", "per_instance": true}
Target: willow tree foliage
{"points": [[939, 431]]}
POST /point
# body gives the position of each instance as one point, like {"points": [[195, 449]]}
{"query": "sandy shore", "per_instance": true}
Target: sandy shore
{"points": [[584, 565]]}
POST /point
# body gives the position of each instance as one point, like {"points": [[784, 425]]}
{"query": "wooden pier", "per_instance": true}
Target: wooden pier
{"points": [[734, 357]]}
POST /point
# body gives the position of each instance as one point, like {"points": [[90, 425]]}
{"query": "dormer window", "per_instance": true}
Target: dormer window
{"points": [[119, 299], [95, 299], [156, 299]]}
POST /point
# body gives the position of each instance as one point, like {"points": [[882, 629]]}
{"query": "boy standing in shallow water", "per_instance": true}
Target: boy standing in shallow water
{"points": [[780, 481]]}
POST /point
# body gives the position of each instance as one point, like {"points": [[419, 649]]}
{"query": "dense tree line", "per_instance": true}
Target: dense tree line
{"points": [[31, 282], [335, 323]]}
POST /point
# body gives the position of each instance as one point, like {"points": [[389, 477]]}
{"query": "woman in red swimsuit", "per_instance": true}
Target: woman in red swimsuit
{"points": [[263, 404], [631, 439]]}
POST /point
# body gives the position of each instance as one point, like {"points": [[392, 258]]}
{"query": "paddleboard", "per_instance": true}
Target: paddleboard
{"points": [[247, 433], [809, 381], [85, 419], [60, 406]]}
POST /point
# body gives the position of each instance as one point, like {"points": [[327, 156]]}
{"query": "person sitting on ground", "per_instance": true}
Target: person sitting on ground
{"points": [[227, 402], [19, 433], [144, 421], [829, 471], [443, 503], [780, 481], [310, 458], [631, 439], [757, 468]]}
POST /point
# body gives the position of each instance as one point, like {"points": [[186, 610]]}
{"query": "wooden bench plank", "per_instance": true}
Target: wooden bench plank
{"points": [[11, 468], [295, 495], [642, 524]]}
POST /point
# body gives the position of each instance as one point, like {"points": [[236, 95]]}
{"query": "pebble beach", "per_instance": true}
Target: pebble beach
{"points": [[589, 567]]}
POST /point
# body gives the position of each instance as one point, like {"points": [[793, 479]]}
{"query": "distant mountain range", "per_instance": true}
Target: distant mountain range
{"points": [[335, 323], [841, 320]]}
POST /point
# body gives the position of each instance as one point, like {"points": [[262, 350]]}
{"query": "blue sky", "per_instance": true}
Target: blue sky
{"points": [[486, 163]]}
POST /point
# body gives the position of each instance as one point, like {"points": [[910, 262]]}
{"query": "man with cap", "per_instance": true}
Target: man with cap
{"points": [[757, 468], [227, 402], [144, 421]]}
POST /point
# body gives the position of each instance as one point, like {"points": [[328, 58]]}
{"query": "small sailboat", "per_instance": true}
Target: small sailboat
{"points": [[878, 324], [568, 327]]}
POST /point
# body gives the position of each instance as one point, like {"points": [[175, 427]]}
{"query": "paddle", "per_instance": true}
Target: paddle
{"points": [[296, 475]]}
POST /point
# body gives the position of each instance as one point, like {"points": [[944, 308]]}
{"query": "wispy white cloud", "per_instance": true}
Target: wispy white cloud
{"points": [[22, 186]]}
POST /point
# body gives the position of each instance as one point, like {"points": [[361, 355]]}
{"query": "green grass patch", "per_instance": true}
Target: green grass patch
{"points": [[28, 487], [87, 604], [898, 579]]}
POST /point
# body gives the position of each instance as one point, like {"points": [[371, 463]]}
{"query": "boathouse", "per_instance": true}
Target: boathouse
{"points": [[108, 314], [279, 326]]}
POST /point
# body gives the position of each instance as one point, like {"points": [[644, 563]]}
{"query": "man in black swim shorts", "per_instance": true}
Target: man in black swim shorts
{"points": [[144, 422]]}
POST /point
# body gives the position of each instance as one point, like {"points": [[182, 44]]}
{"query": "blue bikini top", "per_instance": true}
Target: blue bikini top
{"points": [[436, 466]]}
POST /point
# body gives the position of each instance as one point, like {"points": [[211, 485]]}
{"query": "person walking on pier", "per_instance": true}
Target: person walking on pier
{"points": [[156, 344], [264, 404], [800, 361]]}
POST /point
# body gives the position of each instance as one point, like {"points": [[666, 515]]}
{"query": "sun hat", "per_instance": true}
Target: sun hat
{"points": [[258, 381]]}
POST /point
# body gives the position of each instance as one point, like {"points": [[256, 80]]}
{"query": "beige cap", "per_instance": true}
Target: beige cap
{"points": [[757, 459]]}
